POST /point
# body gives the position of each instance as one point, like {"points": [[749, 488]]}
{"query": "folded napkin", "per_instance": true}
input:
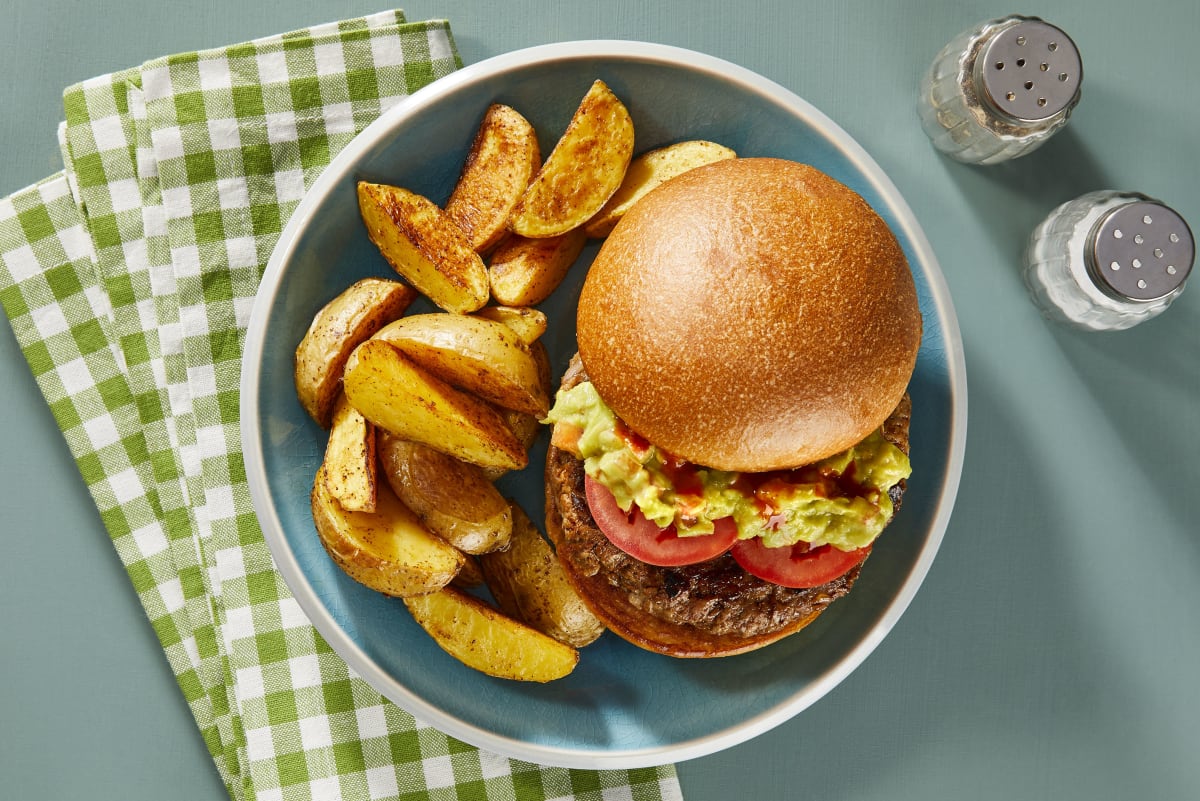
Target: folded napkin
{"points": [[128, 279]]}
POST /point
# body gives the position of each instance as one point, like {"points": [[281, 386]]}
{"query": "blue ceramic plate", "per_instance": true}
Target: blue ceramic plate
{"points": [[622, 707]]}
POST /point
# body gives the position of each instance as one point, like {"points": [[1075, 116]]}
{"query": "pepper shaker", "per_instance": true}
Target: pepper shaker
{"points": [[1000, 90], [1108, 260]]}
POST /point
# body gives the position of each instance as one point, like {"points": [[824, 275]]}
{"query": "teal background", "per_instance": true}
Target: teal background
{"points": [[1053, 649]]}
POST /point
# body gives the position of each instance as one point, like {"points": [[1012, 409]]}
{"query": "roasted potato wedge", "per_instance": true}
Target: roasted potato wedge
{"points": [[336, 330], [528, 584], [387, 550], [424, 246], [524, 271], [525, 428], [484, 639], [503, 159], [452, 498], [526, 322], [544, 372], [481, 356], [582, 171], [648, 171], [470, 576], [350, 464], [396, 395]]}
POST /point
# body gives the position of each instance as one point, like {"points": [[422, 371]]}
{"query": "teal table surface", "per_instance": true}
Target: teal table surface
{"points": [[1053, 649]]}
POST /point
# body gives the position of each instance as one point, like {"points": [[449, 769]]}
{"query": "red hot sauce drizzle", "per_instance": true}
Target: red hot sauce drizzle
{"points": [[762, 487]]}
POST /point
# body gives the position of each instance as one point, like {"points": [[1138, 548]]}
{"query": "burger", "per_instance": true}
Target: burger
{"points": [[732, 435]]}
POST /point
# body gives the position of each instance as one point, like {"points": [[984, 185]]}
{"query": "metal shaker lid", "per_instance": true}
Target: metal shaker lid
{"points": [[1030, 71], [1142, 250]]}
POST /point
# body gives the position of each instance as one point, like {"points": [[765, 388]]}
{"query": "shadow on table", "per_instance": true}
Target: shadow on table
{"points": [[1146, 381], [1012, 197]]}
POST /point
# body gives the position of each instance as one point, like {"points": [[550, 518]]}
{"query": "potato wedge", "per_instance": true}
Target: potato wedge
{"points": [[525, 428], [582, 171], [470, 576], [482, 638], [528, 584], [527, 323], [481, 356], [350, 464], [541, 357], [336, 330], [424, 246], [396, 395], [648, 171], [387, 550], [452, 498], [503, 159], [524, 271]]}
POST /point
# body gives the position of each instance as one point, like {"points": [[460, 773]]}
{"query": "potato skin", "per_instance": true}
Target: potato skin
{"points": [[524, 271], [350, 466], [529, 584], [452, 498], [526, 322], [336, 330], [387, 550]]}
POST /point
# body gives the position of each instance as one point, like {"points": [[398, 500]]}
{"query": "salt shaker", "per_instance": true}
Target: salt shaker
{"points": [[1108, 260], [1000, 90]]}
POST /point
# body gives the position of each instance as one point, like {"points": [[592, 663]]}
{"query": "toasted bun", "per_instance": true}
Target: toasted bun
{"points": [[752, 314]]}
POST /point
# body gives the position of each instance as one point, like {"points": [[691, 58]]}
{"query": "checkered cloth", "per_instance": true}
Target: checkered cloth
{"points": [[128, 279]]}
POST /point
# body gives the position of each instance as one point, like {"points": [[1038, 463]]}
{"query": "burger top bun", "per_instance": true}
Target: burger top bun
{"points": [[752, 314]]}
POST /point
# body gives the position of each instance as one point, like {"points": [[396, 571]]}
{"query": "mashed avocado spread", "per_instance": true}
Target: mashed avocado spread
{"points": [[841, 501]]}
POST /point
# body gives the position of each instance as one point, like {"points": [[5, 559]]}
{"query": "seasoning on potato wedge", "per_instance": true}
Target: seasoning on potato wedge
{"points": [[336, 330], [470, 576], [526, 322], [349, 465], [503, 159], [388, 550], [482, 638], [424, 246], [529, 584], [648, 171], [582, 171], [397, 395], [524, 271], [525, 428], [452, 498], [481, 356]]}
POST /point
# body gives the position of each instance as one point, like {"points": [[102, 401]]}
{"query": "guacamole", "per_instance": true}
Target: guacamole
{"points": [[841, 501]]}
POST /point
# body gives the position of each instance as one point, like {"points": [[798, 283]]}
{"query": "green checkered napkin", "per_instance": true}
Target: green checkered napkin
{"points": [[128, 279]]}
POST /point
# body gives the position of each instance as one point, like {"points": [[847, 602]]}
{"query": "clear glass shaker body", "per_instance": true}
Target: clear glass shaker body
{"points": [[1108, 260], [1000, 90]]}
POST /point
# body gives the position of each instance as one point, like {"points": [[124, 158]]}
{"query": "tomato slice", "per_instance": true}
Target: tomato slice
{"points": [[642, 539], [796, 565]]}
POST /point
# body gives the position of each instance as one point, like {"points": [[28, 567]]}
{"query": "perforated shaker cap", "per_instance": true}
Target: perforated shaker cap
{"points": [[1030, 71], [1142, 250]]}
